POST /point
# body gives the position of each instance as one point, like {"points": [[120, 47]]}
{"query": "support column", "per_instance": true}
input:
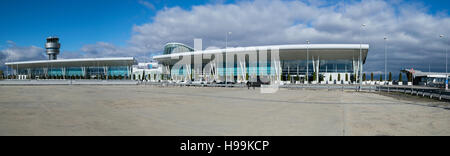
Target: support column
{"points": [[243, 70], [314, 67], [216, 68], [289, 74], [105, 71], [45, 72], [167, 70], [216, 71], [361, 72], [356, 69], [172, 76], [83, 72], [188, 72], [170, 71], [317, 68], [16, 72], [130, 74], [212, 72], [63, 71], [278, 70], [29, 73]]}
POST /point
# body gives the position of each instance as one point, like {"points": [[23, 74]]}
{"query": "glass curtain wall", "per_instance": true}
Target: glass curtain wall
{"points": [[91, 71]]}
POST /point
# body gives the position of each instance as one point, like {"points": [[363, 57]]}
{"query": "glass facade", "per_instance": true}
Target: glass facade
{"points": [[288, 67], [325, 66], [74, 71], [118, 71], [91, 71], [172, 48], [55, 72]]}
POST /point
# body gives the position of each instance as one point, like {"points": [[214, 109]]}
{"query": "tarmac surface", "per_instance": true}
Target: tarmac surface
{"points": [[151, 110]]}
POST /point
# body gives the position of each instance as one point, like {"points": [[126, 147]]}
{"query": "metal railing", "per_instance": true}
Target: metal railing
{"points": [[430, 92]]}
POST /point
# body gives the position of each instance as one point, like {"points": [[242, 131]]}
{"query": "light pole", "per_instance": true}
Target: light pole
{"points": [[226, 39], [385, 58], [226, 63], [446, 62], [360, 56], [307, 61], [7, 68]]}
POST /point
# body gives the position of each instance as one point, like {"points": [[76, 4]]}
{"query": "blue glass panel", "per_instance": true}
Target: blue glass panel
{"points": [[118, 71], [74, 71], [55, 72]]}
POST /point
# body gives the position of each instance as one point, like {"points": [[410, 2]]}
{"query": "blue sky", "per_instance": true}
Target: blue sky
{"points": [[77, 22], [102, 28], [80, 22]]}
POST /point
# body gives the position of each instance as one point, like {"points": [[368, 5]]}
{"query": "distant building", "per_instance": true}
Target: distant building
{"points": [[147, 71], [433, 79]]}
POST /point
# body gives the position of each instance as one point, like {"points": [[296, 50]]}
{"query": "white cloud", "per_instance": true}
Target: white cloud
{"points": [[13, 53], [104, 49], [413, 33], [147, 4]]}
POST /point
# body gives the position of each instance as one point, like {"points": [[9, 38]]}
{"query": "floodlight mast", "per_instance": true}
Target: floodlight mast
{"points": [[360, 56]]}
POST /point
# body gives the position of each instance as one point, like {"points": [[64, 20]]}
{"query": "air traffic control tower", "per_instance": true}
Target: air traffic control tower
{"points": [[52, 47]]}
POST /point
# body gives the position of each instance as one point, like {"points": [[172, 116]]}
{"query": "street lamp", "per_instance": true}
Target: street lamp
{"points": [[385, 58], [7, 67], [226, 39], [226, 63], [360, 56], [307, 61], [446, 62]]}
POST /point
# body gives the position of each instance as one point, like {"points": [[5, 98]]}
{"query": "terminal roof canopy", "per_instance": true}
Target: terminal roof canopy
{"points": [[290, 52], [118, 61]]}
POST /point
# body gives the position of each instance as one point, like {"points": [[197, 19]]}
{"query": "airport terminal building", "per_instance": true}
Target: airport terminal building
{"points": [[83, 68], [307, 63], [299, 63], [86, 68]]}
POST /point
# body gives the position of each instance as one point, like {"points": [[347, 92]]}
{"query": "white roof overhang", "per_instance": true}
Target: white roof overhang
{"points": [[288, 52], [117, 61]]}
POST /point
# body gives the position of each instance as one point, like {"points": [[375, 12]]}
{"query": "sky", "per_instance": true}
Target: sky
{"points": [[140, 28]]}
